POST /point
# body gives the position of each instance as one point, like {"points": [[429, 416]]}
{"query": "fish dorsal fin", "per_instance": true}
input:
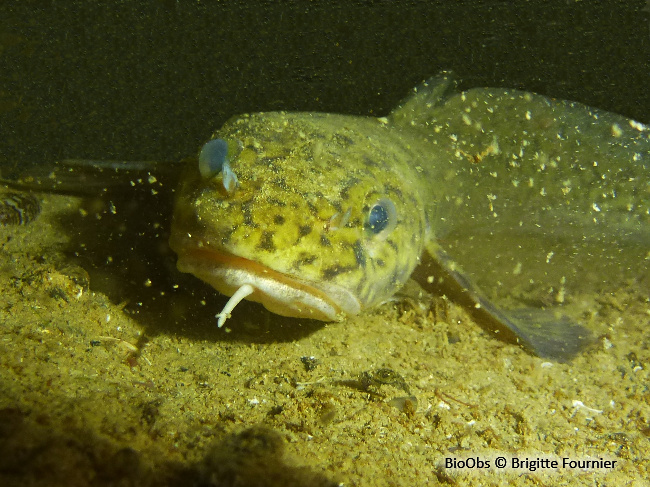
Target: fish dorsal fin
{"points": [[416, 108]]}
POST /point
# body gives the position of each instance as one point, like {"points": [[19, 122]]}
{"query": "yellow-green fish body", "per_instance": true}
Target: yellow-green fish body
{"points": [[299, 224], [323, 216]]}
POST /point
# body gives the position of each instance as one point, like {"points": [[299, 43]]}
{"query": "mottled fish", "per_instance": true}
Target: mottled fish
{"points": [[521, 201], [514, 195]]}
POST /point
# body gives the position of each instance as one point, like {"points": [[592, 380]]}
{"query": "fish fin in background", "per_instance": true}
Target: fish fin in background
{"points": [[90, 177]]}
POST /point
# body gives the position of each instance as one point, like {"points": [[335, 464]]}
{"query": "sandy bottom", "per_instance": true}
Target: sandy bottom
{"points": [[147, 390]]}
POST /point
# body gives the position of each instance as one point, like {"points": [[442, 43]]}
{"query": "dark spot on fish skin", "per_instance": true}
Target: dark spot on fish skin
{"points": [[336, 163], [333, 154], [351, 181], [392, 244], [312, 208], [227, 235], [359, 254], [304, 261], [343, 140], [281, 183], [257, 150], [276, 202], [278, 219], [324, 241], [369, 162], [247, 214], [294, 205], [277, 137], [266, 242], [347, 185], [394, 189], [304, 230], [331, 272], [380, 262], [268, 162]]}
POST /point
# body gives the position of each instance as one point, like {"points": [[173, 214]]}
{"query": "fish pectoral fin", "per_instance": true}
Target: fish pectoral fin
{"points": [[545, 332]]}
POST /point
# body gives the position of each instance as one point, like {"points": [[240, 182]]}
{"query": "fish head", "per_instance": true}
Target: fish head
{"points": [[318, 215]]}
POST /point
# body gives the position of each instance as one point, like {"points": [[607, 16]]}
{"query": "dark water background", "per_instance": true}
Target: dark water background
{"points": [[153, 79]]}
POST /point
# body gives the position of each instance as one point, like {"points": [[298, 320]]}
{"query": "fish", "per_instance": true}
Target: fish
{"points": [[325, 216], [517, 201]]}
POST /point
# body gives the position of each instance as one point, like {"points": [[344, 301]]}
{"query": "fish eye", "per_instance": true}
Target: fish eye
{"points": [[215, 157], [382, 217]]}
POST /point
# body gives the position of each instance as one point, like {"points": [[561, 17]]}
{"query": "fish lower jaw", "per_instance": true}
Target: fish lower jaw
{"points": [[281, 294]]}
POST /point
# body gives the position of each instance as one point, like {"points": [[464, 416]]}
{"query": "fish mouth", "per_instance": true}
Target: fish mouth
{"points": [[280, 293]]}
